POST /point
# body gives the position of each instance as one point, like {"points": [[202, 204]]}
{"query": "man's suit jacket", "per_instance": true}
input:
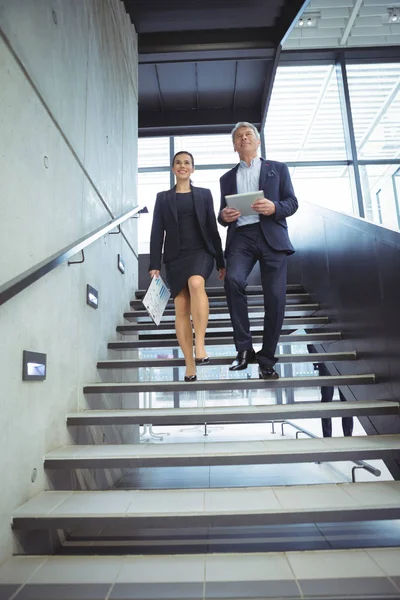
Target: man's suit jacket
{"points": [[165, 224], [277, 186]]}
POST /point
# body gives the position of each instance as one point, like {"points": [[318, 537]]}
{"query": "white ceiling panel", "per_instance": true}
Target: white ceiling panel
{"points": [[370, 26]]}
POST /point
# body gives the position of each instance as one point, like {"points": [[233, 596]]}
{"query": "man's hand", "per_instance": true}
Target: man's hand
{"points": [[222, 273], [154, 273], [264, 207], [229, 214]]}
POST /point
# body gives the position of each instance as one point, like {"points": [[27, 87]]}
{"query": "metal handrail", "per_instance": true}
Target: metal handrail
{"points": [[360, 464], [13, 287]]}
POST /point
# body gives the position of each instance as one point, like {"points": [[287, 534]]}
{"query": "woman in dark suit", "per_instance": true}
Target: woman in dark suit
{"points": [[185, 216]]}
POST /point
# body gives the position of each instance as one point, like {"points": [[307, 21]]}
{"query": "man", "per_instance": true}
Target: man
{"points": [[262, 237]]}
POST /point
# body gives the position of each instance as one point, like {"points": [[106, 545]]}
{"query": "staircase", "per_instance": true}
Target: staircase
{"points": [[201, 540]]}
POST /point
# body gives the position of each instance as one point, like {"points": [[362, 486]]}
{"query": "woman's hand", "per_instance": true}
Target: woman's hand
{"points": [[155, 273], [222, 273]]}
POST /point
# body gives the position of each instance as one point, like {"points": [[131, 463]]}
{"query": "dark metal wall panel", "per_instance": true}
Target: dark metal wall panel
{"points": [[250, 84], [216, 84], [178, 86], [351, 267], [149, 91]]}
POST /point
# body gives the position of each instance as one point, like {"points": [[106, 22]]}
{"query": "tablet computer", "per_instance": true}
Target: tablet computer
{"points": [[243, 202]]}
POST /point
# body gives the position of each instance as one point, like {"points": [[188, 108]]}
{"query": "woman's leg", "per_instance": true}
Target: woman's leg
{"points": [[183, 328], [199, 310]]}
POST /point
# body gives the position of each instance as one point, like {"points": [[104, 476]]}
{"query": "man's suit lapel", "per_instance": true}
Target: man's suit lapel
{"points": [[232, 182], [265, 168], [171, 199]]}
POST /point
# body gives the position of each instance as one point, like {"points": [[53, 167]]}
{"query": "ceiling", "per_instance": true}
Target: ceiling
{"points": [[345, 24], [204, 66]]}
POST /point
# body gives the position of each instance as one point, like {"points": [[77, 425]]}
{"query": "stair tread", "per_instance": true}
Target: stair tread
{"points": [[214, 310], [226, 414], [217, 300], [243, 452], [303, 338], [300, 503], [371, 565], [121, 363], [220, 324], [224, 308], [228, 384], [251, 289], [257, 329]]}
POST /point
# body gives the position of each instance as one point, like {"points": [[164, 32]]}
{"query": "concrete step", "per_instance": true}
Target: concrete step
{"points": [[239, 414], [310, 338], [120, 509], [221, 300], [291, 288], [300, 309], [329, 574], [288, 323], [226, 384], [109, 456], [223, 360]]}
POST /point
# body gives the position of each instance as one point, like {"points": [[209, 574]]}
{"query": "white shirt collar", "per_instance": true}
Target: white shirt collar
{"points": [[253, 163]]}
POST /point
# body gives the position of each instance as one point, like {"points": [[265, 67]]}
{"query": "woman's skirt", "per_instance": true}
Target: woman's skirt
{"points": [[184, 266]]}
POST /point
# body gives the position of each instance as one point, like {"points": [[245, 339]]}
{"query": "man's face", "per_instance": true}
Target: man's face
{"points": [[246, 141]]}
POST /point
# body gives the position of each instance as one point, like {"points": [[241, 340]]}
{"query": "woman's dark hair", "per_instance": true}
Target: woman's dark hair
{"points": [[183, 152]]}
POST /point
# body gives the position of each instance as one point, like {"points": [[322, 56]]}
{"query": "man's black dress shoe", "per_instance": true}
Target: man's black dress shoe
{"points": [[191, 378], [202, 361], [242, 360], [267, 373]]}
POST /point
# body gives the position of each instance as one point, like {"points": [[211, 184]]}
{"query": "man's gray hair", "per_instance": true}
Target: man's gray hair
{"points": [[244, 124]]}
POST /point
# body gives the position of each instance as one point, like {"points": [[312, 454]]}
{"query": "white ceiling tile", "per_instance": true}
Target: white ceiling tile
{"points": [[332, 23], [370, 27]]}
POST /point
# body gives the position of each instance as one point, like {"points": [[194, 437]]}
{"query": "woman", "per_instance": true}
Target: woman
{"points": [[186, 216]]}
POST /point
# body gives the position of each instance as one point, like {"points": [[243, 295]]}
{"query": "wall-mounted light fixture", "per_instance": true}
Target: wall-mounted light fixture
{"points": [[394, 14], [92, 296], [309, 19], [121, 264], [33, 366]]}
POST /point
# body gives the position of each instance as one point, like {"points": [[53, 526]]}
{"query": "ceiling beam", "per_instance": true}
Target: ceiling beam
{"points": [[269, 84], [290, 14], [189, 122], [350, 22], [247, 38]]}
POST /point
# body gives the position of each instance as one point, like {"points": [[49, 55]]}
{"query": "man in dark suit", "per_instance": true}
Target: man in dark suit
{"points": [[260, 237]]}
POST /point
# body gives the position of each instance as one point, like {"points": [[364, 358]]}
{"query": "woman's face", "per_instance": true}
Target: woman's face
{"points": [[182, 167]]}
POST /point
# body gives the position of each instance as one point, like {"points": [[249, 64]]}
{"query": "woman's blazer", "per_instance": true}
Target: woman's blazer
{"points": [[165, 225]]}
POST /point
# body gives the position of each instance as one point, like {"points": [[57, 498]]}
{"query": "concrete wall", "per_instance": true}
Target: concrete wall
{"points": [[68, 150]]}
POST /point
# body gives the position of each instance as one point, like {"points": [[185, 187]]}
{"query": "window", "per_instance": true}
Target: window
{"points": [[304, 119], [327, 186], [380, 187], [375, 105], [208, 149], [149, 184], [153, 152]]}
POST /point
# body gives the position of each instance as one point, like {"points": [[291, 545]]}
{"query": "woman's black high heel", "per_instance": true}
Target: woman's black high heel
{"points": [[202, 361], [191, 378]]}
